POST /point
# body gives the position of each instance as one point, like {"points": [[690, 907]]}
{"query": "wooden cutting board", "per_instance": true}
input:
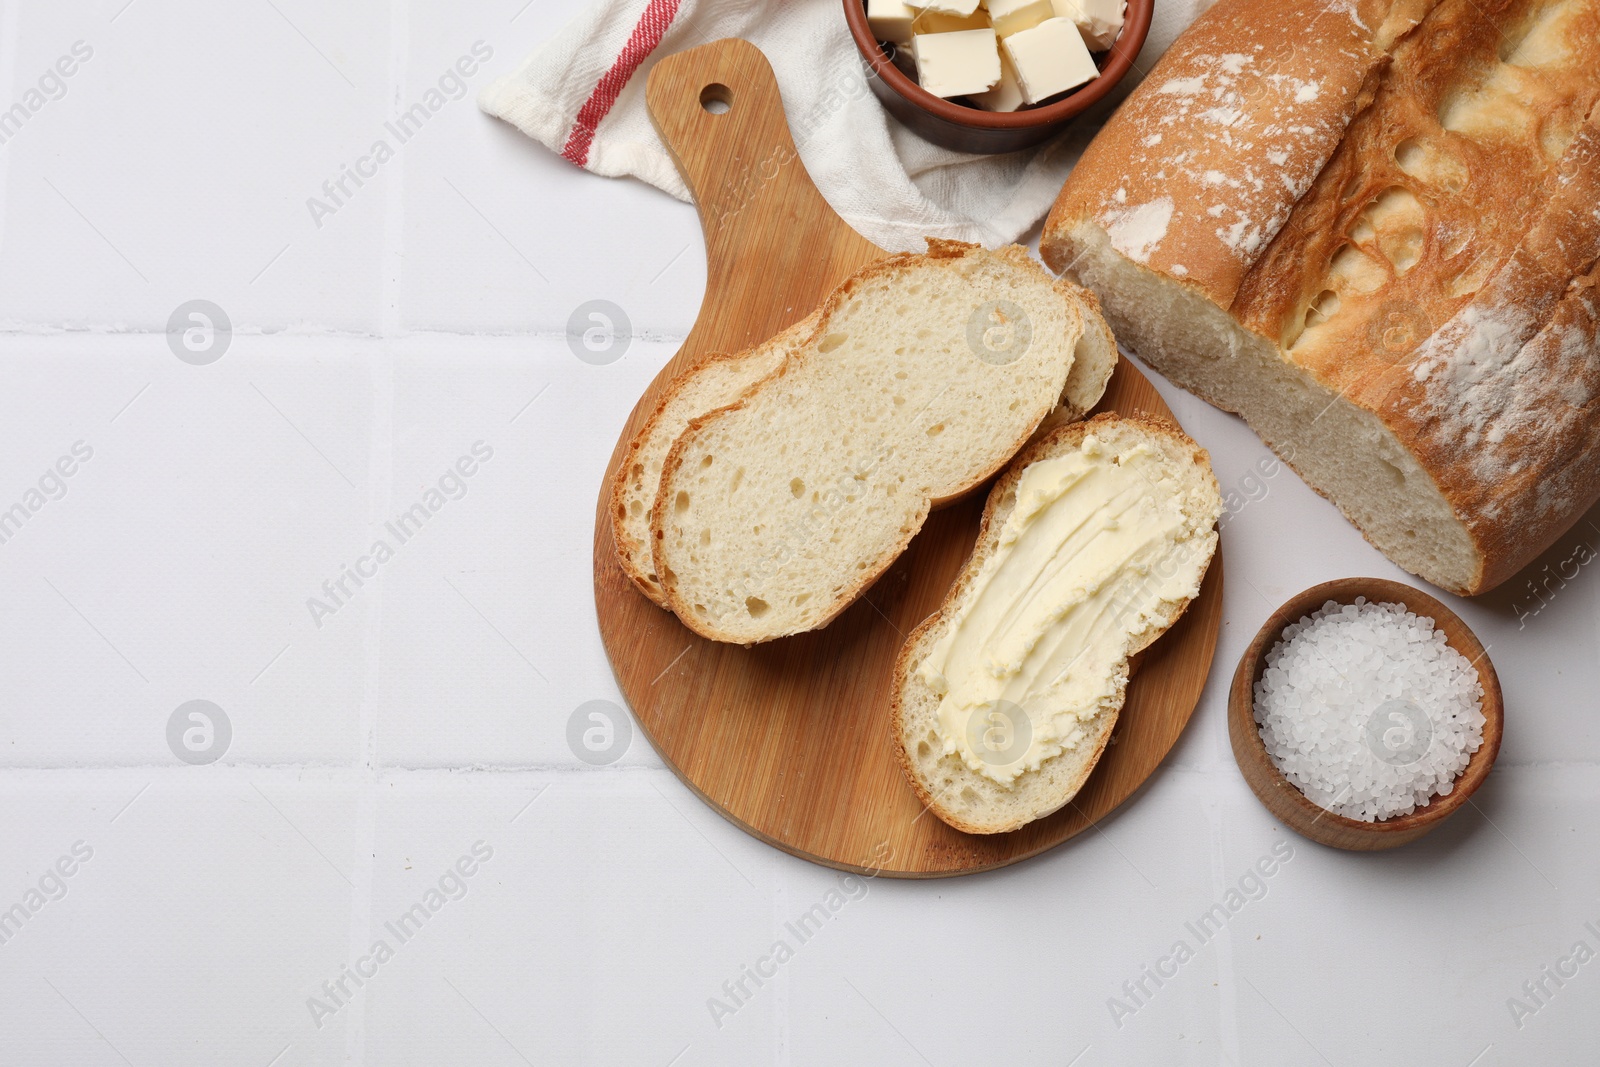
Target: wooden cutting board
{"points": [[790, 740]]}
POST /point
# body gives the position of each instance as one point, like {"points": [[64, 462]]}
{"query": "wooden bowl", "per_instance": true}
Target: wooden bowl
{"points": [[1282, 797], [970, 129]]}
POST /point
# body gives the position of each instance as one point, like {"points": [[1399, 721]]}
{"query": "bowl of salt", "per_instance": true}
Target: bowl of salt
{"points": [[1364, 713]]}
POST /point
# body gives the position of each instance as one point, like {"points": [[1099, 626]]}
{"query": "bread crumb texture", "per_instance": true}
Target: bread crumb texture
{"points": [[922, 377]]}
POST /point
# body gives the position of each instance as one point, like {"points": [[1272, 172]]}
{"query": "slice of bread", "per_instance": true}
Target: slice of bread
{"points": [[722, 379], [716, 382], [923, 375], [975, 802]]}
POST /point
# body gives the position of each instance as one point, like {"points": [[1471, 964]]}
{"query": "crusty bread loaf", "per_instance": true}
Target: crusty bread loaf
{"points": [[923, 375], [971, 801], [721, 379], [1370, 228]]}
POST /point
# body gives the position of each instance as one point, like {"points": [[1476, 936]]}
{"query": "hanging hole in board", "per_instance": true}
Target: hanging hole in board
{"points": [[716, 98]]}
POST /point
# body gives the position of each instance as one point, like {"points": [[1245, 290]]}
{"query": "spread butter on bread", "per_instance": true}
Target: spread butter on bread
{"points": [[1093, 543]]}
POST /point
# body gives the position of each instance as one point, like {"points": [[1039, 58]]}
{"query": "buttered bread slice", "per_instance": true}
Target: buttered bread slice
{"points": [[923, 375], [1093, 544]]}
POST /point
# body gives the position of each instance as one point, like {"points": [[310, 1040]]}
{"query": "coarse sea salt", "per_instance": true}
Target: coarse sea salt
{"points": [[1367, 710]]}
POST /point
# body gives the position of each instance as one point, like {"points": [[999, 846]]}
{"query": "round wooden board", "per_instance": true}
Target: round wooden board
{"points": [[790, 740]]}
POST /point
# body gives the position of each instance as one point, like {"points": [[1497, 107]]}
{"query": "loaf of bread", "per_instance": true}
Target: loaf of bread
{"points": [[1144, 594], [921, 376], [1370, 228]]}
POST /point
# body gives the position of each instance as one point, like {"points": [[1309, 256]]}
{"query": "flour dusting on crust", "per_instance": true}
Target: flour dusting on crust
{"points": [[1136, 232], [1249, 122]]}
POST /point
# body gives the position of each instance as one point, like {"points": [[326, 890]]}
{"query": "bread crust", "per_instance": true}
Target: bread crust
{"points": [[938, 250], [1432, 167], [915, 646]]}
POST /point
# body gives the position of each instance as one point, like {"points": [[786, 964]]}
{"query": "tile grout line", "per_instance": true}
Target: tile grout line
{"points": [[380, 492], [33, 332], [379, 483], [345, 770]]}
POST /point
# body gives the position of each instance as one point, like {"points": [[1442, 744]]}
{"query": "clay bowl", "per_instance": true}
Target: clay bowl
{"points": [[970, 129], [1282, 797]]}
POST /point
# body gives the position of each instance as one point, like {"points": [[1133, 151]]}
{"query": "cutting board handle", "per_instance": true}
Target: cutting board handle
{"points": [[718, 109]]}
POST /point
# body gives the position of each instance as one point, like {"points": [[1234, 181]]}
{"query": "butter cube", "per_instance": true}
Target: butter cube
{"points": [[939, 22], [890, 20], [1049, 59], [960, 63], [1099, 21], [1009, 16], [964, 8], [1005, 96]]}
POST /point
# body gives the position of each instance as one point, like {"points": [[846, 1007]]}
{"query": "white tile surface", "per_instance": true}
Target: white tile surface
{"points": [[179, 161], [370, 752], [186, 934], [669, 901]]}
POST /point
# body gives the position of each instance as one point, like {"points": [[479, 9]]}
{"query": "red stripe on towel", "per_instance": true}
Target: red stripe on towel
{"points": [[647, 34]]}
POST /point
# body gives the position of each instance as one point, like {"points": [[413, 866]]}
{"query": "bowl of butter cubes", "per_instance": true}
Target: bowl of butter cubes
{"points": [[990, 76]]}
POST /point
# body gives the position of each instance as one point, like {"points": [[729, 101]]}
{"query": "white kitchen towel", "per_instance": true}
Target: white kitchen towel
{"points": [[582, 94]]}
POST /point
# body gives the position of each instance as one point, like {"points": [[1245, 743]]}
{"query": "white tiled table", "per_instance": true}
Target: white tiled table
{"points": [[212, 910]]}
